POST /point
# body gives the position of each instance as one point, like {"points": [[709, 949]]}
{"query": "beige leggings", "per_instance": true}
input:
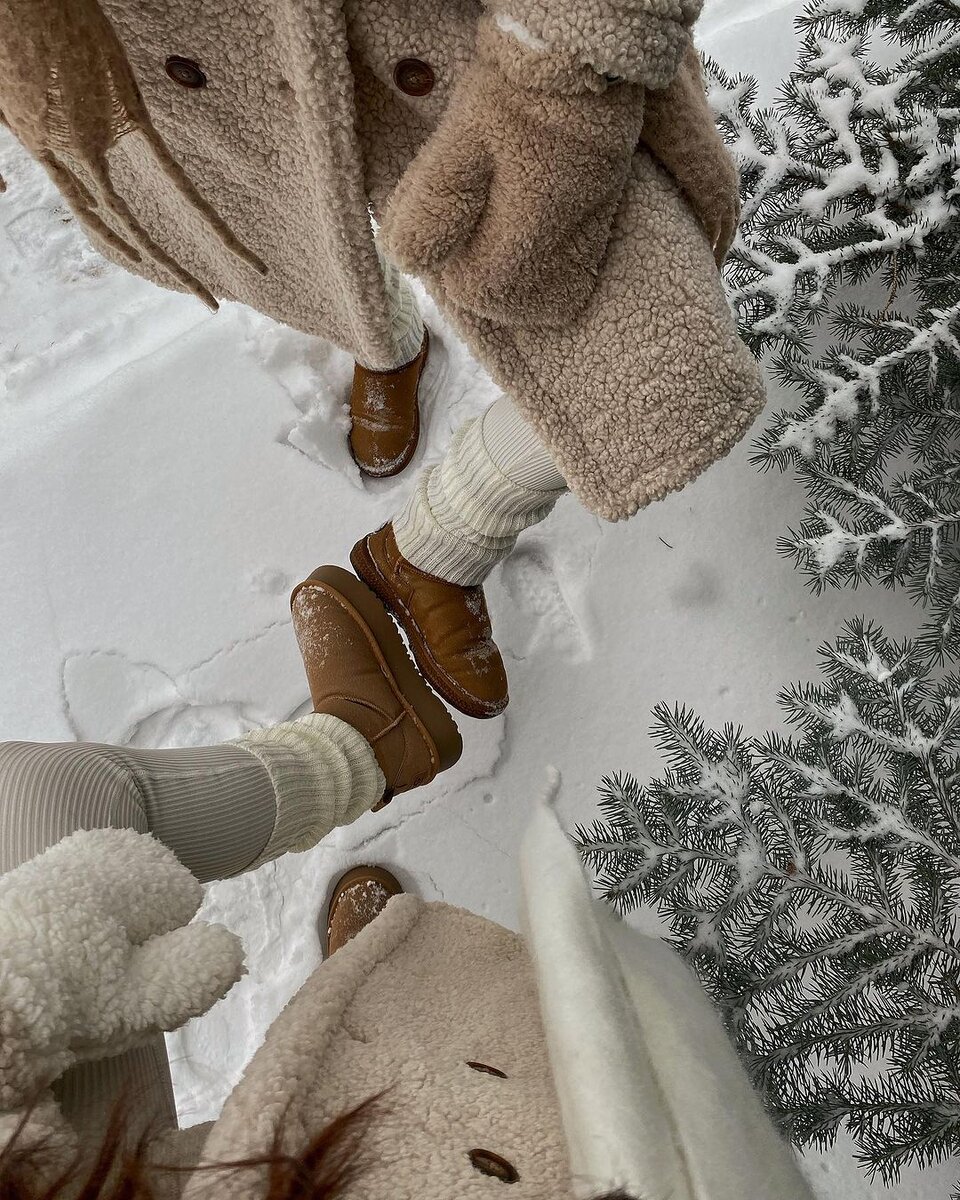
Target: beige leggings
{"points": [[220, 809], [213, 806]]}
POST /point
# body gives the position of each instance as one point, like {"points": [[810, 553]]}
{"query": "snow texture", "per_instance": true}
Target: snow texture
{"points": [[166, 475]]}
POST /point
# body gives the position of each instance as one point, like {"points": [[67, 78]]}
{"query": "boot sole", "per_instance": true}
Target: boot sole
{"points": [[432, 721], [381, 875], [399, 467], [368, 570]]}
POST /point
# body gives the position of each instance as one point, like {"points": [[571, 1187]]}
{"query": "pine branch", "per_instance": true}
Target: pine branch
{"points": [[851, 189], [813, 882]]}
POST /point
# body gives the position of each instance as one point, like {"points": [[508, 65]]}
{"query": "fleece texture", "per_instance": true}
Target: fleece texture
{"points": [[654, 1100], [639, 40], [511, 216], [581, 1060], [651, 384], [403, 1009], [680, 133], [301, 128], [613, 1072], [98, 955], [263, 157]]}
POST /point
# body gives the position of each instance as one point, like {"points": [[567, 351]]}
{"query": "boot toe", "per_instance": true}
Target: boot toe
{"points": [[448, 627], [385, 411]]}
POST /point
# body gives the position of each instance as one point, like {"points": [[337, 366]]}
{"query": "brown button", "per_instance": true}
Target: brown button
{"points": [[413, 77], [488, 1163], [185, 72], [479, 1066]]}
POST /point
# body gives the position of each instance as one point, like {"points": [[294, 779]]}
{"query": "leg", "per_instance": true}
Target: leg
{"points": [[46, 793], [463, 518], [385, 399], [496, 480], [221, 809], [225, 809], [405, 319]]}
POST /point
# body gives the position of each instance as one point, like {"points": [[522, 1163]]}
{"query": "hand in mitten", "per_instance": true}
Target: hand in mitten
{"points": [[641, 41], [508, 207], [98, 955], [680, 130]]}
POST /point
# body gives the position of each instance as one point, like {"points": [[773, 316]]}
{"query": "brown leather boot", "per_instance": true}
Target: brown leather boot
{"points": [[359, 896], [448, 626], [385, 407], [359, 671]]}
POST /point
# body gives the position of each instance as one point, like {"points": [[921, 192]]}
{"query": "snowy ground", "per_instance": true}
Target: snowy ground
{"points": [[167, 475]]}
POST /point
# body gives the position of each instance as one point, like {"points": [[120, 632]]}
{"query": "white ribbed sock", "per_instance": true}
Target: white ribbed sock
{"points": [[324, 774], [405, 319], [466, 513]]}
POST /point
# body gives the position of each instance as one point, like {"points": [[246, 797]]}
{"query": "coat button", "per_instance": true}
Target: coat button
{"points": [[185, 72], [479, 1066], [489, 1163], [413, 77]]}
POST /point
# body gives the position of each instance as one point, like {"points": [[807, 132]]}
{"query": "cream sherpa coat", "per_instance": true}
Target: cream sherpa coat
{"points": [[257, 187], [612, 1071]]}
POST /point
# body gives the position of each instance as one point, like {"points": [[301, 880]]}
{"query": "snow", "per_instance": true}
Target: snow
{"points": [[167, 475]]}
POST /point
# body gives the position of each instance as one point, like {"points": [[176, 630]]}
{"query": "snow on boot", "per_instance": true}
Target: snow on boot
{"points": [[385, 409], [359, 671], [359, 896], [448, 626]]}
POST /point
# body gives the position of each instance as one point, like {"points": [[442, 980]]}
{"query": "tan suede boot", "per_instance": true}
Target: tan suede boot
{"points": [[385, 408], [448, 626], [359, 896], [358, 670]]}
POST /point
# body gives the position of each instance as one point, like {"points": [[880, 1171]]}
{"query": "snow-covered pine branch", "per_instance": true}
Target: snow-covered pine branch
{"points": [[813, 882], [846, 277]]}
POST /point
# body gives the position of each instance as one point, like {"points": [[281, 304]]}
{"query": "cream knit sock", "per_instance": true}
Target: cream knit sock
{"points": [[324, 774], [405, 319], [466, 513]]}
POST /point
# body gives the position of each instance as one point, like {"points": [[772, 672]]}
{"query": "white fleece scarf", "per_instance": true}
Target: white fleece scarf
{"points": [[654, 1100]]}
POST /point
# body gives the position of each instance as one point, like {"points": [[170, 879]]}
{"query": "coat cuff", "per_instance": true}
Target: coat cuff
{"points": [[615, 40], [533, 64]]}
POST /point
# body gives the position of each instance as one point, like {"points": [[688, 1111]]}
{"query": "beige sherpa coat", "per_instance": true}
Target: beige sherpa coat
{"points": [[585, 1057], [257, 186]]}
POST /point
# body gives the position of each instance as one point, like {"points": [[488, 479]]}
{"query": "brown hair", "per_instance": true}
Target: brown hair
{"points": [[121, 1170]]}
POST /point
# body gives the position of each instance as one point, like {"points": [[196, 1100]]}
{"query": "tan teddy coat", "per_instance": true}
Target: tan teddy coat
{"points": [[609, 1072], [583, 1058], [257, 187]]}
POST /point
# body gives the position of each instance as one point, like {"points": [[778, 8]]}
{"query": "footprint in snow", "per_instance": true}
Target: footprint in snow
{"points": [[548, 609], [109, 697]]}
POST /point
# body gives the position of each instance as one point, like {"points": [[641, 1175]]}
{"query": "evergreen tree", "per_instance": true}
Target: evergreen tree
{"points": [[813, 882], [846, 277]]}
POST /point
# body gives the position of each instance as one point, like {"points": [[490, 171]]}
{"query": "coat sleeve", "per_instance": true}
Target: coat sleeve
{"points": [[100, 954], [653, 1098], [680, 131], [641, 41]]}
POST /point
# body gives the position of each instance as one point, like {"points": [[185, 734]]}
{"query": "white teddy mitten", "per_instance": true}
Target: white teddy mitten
{"points": [[97, 954]]}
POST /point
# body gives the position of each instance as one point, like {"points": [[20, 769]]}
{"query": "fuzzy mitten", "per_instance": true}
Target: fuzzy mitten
{"points": [[507, 209], [98, 955], [680, 130]]}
